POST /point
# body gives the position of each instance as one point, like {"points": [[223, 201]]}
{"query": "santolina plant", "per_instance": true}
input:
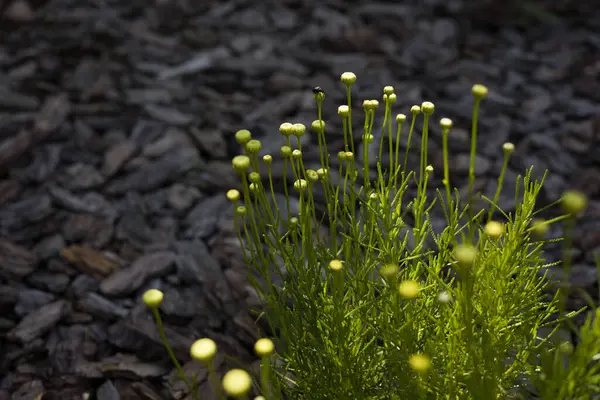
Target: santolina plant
{"points": [[372, 307]]}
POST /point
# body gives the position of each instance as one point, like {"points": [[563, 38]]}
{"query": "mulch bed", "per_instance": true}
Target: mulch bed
{"points": [[116, 134]]}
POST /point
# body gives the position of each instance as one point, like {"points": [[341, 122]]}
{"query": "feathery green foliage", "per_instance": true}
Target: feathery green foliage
{"points": [[372, 307]]}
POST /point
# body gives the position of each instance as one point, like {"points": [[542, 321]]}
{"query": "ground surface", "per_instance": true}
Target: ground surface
{"points": [[116, 133]]}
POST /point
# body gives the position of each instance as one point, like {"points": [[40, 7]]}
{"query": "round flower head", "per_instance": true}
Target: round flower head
{"points": [[419, 362], [443, 297], [348, 78], [389, 271], [479, 91], [203, 350], [296, 154], [319, 93], [392, 98], [241, 163], [322, 172], [415, 110], [243, 136], [300, 185], [370, 104], [312, 175], [253, 146], [335, 265], [368, 138], [241, 211], [494, 229], [388, 90], [465, 255], [233, 195], [446, 123], [349, 156], [318, 126], [573, 202], [237, 383], [539, 227], [268, 159], [254, 177], [287, 128], [400, 118], [286, 151], [508, 147], [264, 347], [343, 111], [427, 107], [298, 129], [153, 298], [409, 289], [429, 169]]}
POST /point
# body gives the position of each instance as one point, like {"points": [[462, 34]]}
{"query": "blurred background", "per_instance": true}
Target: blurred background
{"points": [[116, 135]]}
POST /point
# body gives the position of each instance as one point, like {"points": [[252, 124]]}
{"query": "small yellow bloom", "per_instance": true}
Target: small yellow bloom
{"points": [[233, 195], [237, 383], [465, 255], [335, 265], [573, 202], [539, 227], [409, 289], [203, 350], [153, 298], [264, 347], [479, 91], [420, 362], [389, 271], [494, 229]]}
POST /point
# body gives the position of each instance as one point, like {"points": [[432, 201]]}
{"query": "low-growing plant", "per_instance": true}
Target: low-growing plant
{"points": [[374, 307]]}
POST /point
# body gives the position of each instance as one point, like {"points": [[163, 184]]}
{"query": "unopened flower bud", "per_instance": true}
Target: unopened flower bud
{"points": [[312, 175], [508, 147], [427, 107], [241, 163], [286, 151], [153, 298], [243, 136], [298, 129], [335, 265], [343, 111], [300, 185], [233, 195], [287, 128], [446, 123], [573, 202], [348, 78], [479, 91], [318, 126]]}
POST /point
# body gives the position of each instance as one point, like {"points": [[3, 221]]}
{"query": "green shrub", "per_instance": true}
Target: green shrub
{"points": [[374, 308]]}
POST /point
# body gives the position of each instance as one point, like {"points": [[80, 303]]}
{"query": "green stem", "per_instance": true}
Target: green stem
{"points": [[178, 367]]}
